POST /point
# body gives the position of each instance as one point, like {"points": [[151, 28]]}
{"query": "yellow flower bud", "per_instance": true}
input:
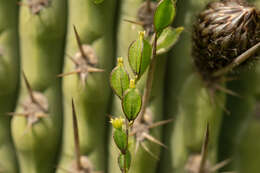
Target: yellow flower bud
{"points": [[117, 123]]}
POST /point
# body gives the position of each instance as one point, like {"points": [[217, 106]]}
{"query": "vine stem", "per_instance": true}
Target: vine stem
{"points": [[127, 135], [149, 81]]}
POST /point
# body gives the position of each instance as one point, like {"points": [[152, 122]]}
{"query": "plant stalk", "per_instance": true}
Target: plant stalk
{"points": [[149, 81]]}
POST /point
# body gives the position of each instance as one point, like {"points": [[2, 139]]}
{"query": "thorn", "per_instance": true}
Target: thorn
{"points": [[69, 73], [137, 146], [148, 151], [29, 88], [204, 150], [160, 123], [79, 43], [16, 114], [41, 115], [22, 4], [220, 165], [228, 79], [134, 22], [72, 59], [154, 140], [93, 69], [76, 136], [63, 169], [227, 91]]}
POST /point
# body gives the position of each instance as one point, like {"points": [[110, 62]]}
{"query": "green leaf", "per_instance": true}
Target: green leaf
{"points": [[139, 55], [164, 15], [168, 38], [120, 139], [119, 80], [121, 160], [131, 103]]}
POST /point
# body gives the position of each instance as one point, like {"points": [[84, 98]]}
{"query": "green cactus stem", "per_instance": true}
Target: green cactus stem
{"points": [[42, 36], [95, 27], [9, 67]]}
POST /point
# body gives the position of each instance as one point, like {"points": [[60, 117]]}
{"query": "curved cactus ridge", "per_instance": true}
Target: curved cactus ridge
{"points": [[42, 38], [94, 24], [9, 67]]}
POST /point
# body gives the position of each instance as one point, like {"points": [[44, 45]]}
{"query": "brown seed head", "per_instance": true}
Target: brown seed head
{"points": [[223, 31]]}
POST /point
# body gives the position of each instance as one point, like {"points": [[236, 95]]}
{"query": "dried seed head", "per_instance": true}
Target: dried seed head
{"points": [[87, 166], [35, 109], [223, 31], [193, 164], [145, 16], [36, 6]]}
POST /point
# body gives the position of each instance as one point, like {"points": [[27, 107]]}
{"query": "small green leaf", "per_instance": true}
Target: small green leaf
{"points": [[164, 15], [168, 38], [139, 55], [120, 139], [121, 160], [131, 103], [119, 79]]}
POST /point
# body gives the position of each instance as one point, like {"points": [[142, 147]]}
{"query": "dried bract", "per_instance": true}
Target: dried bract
{"points": [[223, 31]]}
